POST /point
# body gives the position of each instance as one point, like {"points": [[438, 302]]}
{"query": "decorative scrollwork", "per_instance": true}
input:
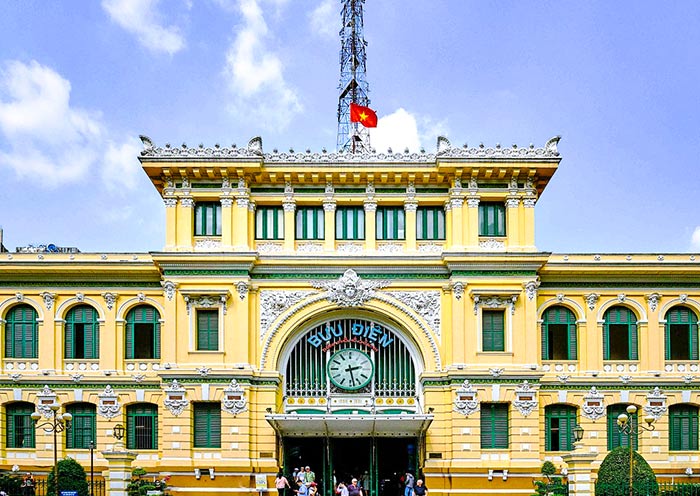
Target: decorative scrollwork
{"points": [[466, 399], [349, 290], [234, 399]]}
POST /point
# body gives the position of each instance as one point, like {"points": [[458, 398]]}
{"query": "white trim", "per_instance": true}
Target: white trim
{"points": [[581, 317], [689, 302], [628, 302], [63, 308]]}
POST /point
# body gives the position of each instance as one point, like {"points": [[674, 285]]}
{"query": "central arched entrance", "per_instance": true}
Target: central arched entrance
{"points": [[352, 403]]}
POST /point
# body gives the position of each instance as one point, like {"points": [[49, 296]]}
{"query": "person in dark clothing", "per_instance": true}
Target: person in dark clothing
{"points": [[419, 489], [354, 489]]}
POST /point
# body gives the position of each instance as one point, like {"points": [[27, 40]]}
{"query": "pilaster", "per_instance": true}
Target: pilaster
{"points": [[370, 219], [513, 209], [185, 224], [580, 472], [119, 472], [226, 222], [170, 223], [329, 205], [289, 205]]}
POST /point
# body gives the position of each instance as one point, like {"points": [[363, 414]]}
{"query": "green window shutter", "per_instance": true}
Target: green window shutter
{"points": [[19, 425], [269, 223], [208, 330], [492, 219], [667, 340], [634, 340], [494, 426], [156, 340], [683, 424], [207, 425], [693, 341], [493, 330], [573, 342], [69, 350], [83, 429], [391, 223], [606, 342], [129, 340], [545, 341], [430, 223], [615, 437], [21, 333]]}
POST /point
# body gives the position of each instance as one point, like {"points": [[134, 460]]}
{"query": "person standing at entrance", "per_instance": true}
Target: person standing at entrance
{"points": [[409, 482], [309, 476], [419, 489], [281, 483], [354, 489]]}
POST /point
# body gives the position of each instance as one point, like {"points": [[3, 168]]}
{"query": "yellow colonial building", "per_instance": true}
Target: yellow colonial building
{"points": [[364, 314]]}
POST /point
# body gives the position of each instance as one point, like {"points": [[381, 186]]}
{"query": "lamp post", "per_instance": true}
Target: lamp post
{"points": [[626, 426], [56, 423], [118, 433], [578, 436], [92, 466]]}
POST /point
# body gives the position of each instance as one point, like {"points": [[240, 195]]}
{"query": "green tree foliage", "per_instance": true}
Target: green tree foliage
{"points": [[71, 477], [553, 486], [11, 483], [140, 485], [614, 478]]}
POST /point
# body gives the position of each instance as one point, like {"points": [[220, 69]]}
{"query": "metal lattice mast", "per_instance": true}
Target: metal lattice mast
{"points": [[353, 78]]}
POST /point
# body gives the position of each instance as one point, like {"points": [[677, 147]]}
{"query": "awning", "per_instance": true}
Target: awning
{"points": [[398, 425]]}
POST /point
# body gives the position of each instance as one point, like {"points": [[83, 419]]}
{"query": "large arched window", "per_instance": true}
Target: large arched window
{"points": [[19, 425], [83, 426], [681, 334], [82, 333], [21, 337], [559, 421], [143, 333], [615, 437], [620, 334], [559, 334], [683, 420], [142, 426], [350, 356]]}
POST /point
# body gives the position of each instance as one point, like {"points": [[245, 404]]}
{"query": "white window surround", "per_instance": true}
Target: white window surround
{"points": [[498, 300], [205, 300]]}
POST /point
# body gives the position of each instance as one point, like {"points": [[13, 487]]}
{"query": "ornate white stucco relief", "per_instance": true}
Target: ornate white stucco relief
{"points": [[424, 303], [273, 303]]}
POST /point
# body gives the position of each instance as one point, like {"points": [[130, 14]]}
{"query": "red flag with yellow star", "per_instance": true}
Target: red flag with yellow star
{"points": [[364, 115]]}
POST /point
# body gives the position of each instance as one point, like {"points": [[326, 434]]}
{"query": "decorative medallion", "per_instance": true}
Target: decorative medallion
{"points": [[138, 378], [591, 300], [108, 405], [175, 400], [458, 289], [653, 300], [169, 288], [234, 399], [531, 288], [466, 399], [656, 403], [526, 398], [593, 405], [48, 298], [350, 290], [203, 370], [242, 287], [110, 299], [496, 371], [46, 397]]}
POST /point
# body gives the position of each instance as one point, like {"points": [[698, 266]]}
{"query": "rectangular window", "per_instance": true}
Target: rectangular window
{"points": [[493, 330], [310, 223], [559, 427], [494, 426], [207, 425], [207, 219], [615, 437], [492, 219], [350, 223], [391, 223], [82, 429], [684, 428], [207, 330], [269, 223], [20, 428], [430, 223], [142, 427]]}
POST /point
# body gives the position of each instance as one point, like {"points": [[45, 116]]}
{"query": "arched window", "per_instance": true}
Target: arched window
{"points": [[683, 435], [19, 427], [559, 334], [681, 334], [620, 334], [143, 333], [615, 437], [21, 338], [559, 421], [142, 426], [82, 333], [82, 429]]}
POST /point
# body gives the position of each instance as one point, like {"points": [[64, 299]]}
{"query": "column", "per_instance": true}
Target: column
{"points": [[289, 209], [449, 241], [329, 227], [579, 466], [471, 238], [119, 474], [512, 223], [170, 223], [251, 224], [410, 207], [370, 225], [226, 222], [240, 224], [528, 239], [185, 224]]}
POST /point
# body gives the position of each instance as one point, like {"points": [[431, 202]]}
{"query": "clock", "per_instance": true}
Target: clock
{"points": [[350, 369]]}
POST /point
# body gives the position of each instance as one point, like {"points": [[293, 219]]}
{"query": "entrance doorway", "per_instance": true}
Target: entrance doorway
{"points": [[378, 463]]}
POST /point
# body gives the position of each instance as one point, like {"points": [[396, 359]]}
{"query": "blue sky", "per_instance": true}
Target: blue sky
{"points": [[618, 80]]}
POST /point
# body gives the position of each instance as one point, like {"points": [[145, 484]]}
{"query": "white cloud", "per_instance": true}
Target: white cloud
{"points": [[695, 239], [120, 166], [47, 139], [325, 19], [255, 74], [140, 17], [401, 129]]}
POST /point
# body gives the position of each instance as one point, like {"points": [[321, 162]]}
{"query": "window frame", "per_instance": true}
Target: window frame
{"points": [[398, 224], [22, 332], [632, 332], [678, 440], [83, 413], [560, 412], [131, 330], [492, 332], [210, 335], [616, 438], [439, 230], [350, 219], [552, 316], [209, 414], [493, 428], [266, 215], [497, 226], [22, 411], [141, 410], [681, 316], [204, 225], [91, 333], [305, 232]]}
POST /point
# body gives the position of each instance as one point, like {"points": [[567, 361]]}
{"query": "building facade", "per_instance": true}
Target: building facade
{"points": [[363, 314]]}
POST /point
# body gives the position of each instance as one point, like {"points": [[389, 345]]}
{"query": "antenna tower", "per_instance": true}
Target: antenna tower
{"points": [[353, 78]]}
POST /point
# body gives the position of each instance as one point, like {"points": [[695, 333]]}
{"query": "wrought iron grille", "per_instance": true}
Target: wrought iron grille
{"points": [[394, 367]]}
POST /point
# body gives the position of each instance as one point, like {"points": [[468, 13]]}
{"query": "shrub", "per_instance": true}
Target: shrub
{"points": [[11, 483], [554, 485], [613, 475], [71, 477]]}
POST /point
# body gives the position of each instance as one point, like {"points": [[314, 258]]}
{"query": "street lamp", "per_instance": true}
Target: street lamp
{"points": [[118, 433], [57, 423], [92, 466], [578, 436], [626, 426]]}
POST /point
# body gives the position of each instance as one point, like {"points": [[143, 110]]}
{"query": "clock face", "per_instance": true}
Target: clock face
{"points": [[350, 369]]}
